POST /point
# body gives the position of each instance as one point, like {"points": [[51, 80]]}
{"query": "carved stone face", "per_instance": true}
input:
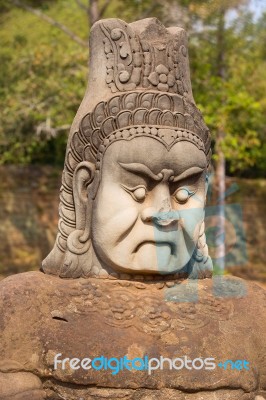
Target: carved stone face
{"points": [[149, 206]]}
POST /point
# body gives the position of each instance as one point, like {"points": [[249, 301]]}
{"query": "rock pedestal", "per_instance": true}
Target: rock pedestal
{"points": [[42, 316]]}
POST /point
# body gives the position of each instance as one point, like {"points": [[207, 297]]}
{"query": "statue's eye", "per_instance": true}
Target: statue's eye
{"points": [[182, 195], [139, 194]]}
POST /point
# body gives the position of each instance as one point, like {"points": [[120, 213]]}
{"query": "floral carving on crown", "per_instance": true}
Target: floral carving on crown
{"points": [[162, 78]]}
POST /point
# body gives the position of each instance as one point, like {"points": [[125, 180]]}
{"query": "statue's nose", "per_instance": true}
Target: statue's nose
{"points": [[161, 212]]}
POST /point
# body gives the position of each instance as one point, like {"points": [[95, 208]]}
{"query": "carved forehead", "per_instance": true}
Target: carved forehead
{"points": [[152, 153]]}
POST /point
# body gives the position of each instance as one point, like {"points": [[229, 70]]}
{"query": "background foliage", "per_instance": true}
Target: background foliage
{"points": [[43, 73]]}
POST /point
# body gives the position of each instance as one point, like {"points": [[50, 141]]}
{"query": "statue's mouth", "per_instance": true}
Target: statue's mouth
{"points": [[154, 256], [159, 245]]}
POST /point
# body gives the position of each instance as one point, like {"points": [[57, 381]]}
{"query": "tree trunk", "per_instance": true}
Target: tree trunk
{"points": [[93, 11], [220, 164], [220, 180]]}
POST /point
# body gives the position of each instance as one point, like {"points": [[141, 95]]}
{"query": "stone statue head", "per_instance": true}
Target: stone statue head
{"points": [[135, 176]]}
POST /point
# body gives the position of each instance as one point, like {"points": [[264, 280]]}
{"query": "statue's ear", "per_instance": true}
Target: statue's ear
{"points": [[82, 181]]}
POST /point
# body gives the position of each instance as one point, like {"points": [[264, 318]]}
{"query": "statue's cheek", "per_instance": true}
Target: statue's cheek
{"points": [[115, 225]]}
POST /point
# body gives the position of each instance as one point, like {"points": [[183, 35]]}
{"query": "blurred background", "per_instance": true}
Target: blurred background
{"points": [[43, 73]]}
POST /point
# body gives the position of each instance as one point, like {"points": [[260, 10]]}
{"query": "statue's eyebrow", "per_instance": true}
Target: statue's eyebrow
{"points": [[187, 174], [144, 170], [141, 169], [138, 168]]}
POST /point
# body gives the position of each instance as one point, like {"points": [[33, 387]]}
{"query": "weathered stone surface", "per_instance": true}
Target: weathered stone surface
{"points": [[42, 316], [20, 386]]}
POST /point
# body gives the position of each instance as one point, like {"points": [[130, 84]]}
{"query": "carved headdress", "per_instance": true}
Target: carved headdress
{"points": [[139, 85]]}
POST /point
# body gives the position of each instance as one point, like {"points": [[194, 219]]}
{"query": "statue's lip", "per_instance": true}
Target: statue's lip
{"points": [[157, 243]]}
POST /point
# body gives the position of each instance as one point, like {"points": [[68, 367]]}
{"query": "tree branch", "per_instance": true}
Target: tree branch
{"points": [[45, 129], [82, 5], [51, 21], [104, 8]]}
